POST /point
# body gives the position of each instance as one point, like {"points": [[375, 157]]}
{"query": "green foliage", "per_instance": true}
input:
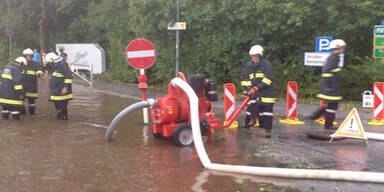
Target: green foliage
{"points": [[360, 77], [218, 36]]}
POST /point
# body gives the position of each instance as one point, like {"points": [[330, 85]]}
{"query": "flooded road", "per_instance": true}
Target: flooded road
{"points": [[41, 153]]}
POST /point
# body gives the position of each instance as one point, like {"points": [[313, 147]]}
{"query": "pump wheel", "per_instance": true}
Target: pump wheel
{"points": [[182, 135]]}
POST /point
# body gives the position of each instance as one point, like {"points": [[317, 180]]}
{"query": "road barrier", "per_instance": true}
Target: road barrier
{"points": [[378, 104], [230, 103], [292, 99]]}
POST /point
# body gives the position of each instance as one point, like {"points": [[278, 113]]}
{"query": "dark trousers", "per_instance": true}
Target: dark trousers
{"points": [[251, 112], [252, 107], [11, 110], [329, 112], [265, 115], [31, 106], [61, 109]]}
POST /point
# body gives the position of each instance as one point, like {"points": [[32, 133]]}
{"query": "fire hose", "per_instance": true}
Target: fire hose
{"points": [[264, 171], [139, 105]]}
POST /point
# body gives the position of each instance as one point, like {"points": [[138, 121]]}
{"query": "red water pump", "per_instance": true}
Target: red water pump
{"points": [[171, 116]]}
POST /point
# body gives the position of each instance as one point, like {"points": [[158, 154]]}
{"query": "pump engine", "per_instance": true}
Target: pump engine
{"points": [[171, 116]]}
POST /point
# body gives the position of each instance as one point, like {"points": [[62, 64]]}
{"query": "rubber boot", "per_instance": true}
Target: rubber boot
{"points": [[31, 110], [268, 133], [16, 116], [5, 114], [23, 110], [249, 121]]}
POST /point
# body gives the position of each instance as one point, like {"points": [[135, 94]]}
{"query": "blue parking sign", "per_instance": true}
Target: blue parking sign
{"points": [[322, 44]]}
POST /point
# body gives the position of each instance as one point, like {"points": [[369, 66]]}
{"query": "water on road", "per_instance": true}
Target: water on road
{"points": [[41, 153]]}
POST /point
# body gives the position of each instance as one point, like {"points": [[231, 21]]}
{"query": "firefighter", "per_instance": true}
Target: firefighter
{"points": [[30, 73], [11, 89], [257, 81], [61, 85], [330, 83]]}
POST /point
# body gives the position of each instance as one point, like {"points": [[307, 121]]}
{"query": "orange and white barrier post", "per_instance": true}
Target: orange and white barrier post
{"points": [[321, 119], [292, 99], [230, 103], [378, 104]]}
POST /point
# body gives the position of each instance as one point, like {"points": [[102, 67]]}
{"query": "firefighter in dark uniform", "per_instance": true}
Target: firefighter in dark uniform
{"points": [[30, 72], [257, 81], [61, 85], [330, 84], [11, 89]]}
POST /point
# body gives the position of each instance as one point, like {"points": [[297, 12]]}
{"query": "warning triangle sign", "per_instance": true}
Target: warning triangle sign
{"points": [[351, 127]]}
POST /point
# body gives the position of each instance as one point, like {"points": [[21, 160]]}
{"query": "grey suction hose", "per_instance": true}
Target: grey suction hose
{"points": [[139, 105]]}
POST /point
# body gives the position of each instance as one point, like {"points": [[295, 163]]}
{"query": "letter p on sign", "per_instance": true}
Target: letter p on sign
{"points": [[322, 44]]}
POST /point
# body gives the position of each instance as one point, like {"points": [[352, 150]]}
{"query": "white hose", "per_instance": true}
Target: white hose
{"points": [[374, 136], [264, 171]]}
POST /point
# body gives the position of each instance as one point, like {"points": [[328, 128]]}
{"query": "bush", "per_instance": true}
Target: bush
{"points": [[360, 77]]}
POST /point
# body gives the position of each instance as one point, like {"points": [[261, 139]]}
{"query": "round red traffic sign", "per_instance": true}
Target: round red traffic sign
{"points": [[140, 53]]}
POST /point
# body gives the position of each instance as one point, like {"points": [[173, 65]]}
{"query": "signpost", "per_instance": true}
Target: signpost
{"points": [[378, 42], [10, 34], [323, 51], [322, 44], [316, 59], [177, 26], [141, 54]]}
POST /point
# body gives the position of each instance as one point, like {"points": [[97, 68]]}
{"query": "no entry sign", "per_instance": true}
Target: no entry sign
{"points": [[140, 53]]}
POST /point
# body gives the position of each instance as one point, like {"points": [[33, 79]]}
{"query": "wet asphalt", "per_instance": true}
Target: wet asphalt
{"points": [[41, 153]]}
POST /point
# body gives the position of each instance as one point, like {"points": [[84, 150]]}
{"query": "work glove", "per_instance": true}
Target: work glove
{"points": [[64, 91], [252, 90]]}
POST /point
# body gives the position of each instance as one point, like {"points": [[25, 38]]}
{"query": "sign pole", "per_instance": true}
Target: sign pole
{"points": [[177, 37], [141, 54], [10, 48], [143, 81]]}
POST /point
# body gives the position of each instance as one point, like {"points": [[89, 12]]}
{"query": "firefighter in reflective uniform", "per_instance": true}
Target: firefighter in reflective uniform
{"points": [[257, 81], [330, 83], [11, 89], [30, 72], [61, 85]]}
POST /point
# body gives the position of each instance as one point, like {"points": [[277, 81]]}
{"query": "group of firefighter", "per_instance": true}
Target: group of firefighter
{"points": [[258, 83], [19, 81]]}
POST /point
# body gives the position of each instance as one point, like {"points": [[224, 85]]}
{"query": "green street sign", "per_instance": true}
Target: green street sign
{"points": [[378, 41], [379, 30], [378, 52]]}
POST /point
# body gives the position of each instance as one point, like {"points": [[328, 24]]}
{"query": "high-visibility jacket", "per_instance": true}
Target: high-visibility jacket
{"points": [[330, 83], [11, 88], [61, 77], [30, 74], [260, 75]]}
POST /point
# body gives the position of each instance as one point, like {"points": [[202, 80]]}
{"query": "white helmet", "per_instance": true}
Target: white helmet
{"points": [[337, 43], [52, 58], [28, 51], [256, 49], [21, 60]]}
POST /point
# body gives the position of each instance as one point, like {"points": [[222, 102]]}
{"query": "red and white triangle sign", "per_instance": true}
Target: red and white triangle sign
{"points": [[351, 127]]}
